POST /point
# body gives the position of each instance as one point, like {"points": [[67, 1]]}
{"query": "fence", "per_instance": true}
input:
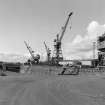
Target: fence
{"points": [[92, 70]]}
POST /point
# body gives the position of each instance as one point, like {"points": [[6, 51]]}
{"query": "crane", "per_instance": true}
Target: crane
{"points": [[35, 59], [48, 52], [57, 43]]}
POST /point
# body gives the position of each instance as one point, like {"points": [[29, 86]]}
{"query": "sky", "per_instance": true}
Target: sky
{"points": [[36, 21]]}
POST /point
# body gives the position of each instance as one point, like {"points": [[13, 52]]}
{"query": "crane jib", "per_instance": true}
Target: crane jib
{"points": [[65, 26], [70, 13], [29, 49]]}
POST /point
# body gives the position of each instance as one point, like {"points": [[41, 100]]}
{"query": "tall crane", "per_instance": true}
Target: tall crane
{"points": [[57, 43], [48, 53], [35, 59]]}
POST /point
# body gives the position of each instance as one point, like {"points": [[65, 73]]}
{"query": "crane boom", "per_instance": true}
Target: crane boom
{"points": [[46, 47], [65, 26], [48, 52], [29, 49]]}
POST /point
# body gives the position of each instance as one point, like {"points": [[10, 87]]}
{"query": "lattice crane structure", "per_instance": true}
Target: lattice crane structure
{"points": [[58, 56], [35, 58], [48, 51]]}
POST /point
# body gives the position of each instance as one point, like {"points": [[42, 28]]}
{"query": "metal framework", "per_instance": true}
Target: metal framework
{"points": [[35, 59], [48, 53], [58, 56]]}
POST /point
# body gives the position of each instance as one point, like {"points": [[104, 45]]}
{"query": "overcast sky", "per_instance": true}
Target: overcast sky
{"points": [[40, 20]]}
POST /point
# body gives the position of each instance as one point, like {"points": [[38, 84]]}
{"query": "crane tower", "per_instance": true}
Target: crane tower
{"points": [[58, 56]]}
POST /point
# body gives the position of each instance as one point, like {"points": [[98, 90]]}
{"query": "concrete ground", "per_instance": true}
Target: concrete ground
{"points": [[44, 87]]}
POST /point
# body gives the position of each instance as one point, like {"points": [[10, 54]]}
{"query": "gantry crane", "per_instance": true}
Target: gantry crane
{"points": [[48, 53], [57, 43], [35, 59]]}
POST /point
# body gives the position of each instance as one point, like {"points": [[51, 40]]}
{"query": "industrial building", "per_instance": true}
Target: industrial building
{"points": [[101, 49]]}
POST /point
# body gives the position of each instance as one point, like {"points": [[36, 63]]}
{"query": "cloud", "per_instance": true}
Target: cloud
{"points": [[82, 45], [9, 57], [80, 48]]}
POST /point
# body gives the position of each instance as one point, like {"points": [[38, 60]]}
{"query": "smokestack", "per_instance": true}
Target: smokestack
{"points": [[94, 47]]}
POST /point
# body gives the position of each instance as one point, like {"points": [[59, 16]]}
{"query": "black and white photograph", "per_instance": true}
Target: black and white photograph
{"points": [[52, 52]]}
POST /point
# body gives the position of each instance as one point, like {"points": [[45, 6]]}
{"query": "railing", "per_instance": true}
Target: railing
{"points": [[93, 70]]}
